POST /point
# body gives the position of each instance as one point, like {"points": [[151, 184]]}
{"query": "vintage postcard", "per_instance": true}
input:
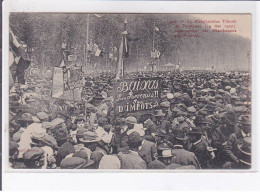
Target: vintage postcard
{"points": [[96, 93], [129, 91]]}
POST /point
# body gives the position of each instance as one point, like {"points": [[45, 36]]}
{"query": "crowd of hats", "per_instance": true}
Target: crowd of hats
{"points": [[203, 97]]}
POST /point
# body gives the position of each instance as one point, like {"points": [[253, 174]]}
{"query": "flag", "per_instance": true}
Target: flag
{"points": [[120, 65], [57, 82], [123, 52], [125, 45], [156, 29], [67, 84]]}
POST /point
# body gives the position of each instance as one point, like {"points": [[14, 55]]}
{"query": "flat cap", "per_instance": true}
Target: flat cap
{"points": [[191, 109], [131, 120], [33, 154], [42, 115], [72, 163], [170, 96], [165, 104]]}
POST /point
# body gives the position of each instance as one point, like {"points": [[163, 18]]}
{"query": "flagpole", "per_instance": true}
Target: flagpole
{"points": [[137, 58], [153, 45], [122, 64], [125, 28], [153, 34], [86, 54]]}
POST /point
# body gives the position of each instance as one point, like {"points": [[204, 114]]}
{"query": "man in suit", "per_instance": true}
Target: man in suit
{"points": [[180, 155], [148, 151], [230, 148], [163, 125], [126, 159], [199, 146], [119, 141]]}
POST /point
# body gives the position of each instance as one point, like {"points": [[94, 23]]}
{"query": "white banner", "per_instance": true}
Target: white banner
{"points": [[58, 84]]}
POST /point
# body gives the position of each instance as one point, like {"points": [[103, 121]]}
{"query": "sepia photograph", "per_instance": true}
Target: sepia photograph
{"points": [[132, 91]]}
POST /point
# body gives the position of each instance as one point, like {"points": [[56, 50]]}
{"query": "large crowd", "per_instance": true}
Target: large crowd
{"points": [[203, 122]]}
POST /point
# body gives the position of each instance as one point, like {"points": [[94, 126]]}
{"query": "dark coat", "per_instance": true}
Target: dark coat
{"points": [[230, 150], [120, 142], [131, 160], [201, 152], [184, 157], [148, 152], [18, 70], [217, 137]]}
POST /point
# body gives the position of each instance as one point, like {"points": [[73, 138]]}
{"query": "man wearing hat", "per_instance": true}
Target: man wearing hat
{"points": [[166, 110], [66, 117], [181, 155], [163, 125], [61, 135], [125, 160], [228, 121], [199, 146], [34, 158], [129, 123], [180, 123], [244, 154], [148, 151], [187, 100], [165, 156], [243, 130], [32, 132], [96, 156], [191, 116], [215, 136], [174, 110], [39, 138], [92, 141]]}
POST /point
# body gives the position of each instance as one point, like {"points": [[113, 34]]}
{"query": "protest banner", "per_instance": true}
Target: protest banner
{"points": [[135, 95], [67, 82], [57, 82]]}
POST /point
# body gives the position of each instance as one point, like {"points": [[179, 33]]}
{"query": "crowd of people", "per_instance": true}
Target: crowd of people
{"points": [[203, 122]]}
